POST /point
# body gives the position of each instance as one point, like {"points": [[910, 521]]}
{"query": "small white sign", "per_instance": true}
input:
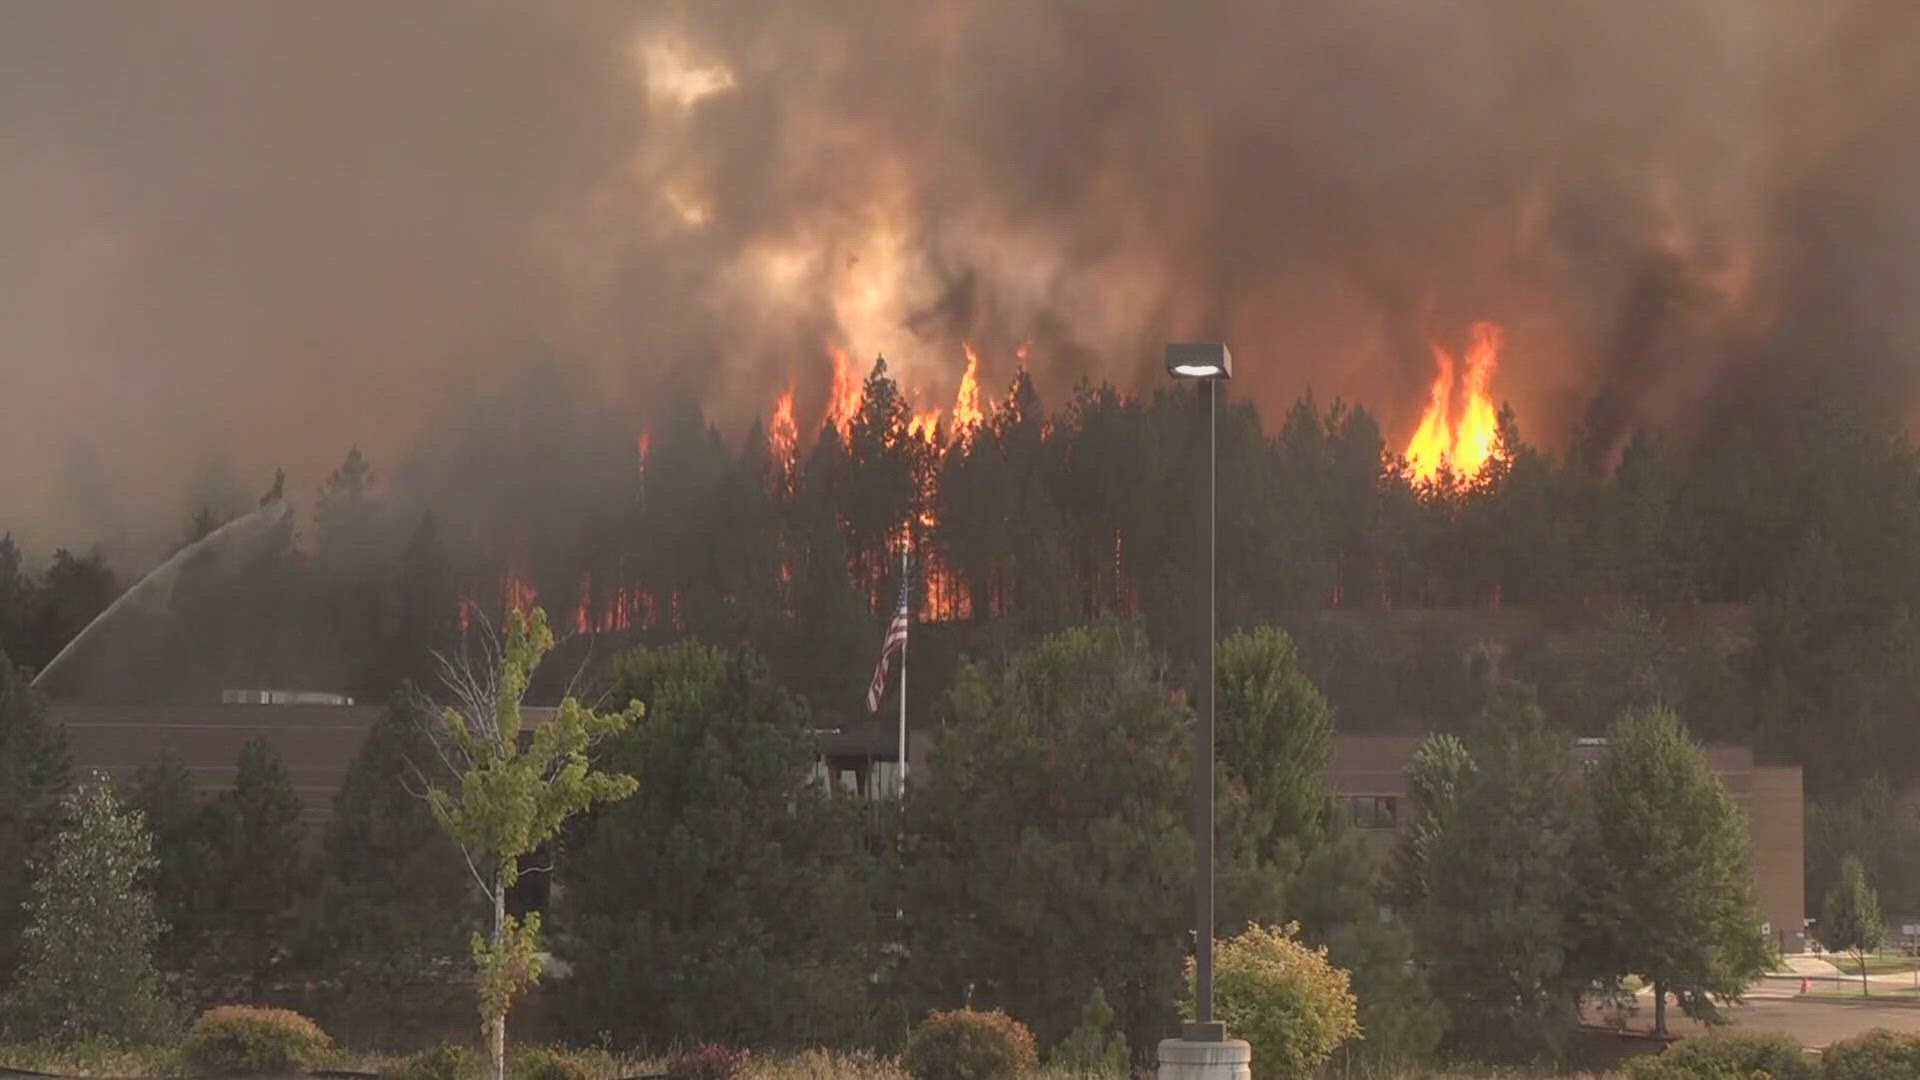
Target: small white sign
{"points": [[1911, 929]]}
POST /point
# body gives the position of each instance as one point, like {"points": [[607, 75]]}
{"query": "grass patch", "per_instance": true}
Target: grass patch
{"points": [[91, 1060], [1881, 964]]}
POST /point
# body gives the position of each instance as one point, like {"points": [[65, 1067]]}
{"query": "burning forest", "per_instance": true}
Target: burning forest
{"points": [[1530, 306]]}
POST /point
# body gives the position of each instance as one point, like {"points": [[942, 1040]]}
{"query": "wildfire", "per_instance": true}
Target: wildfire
{"points": [[966, 406], [847, 394], [1461, 438], [925, 426], [783, 438], [518, 595]]}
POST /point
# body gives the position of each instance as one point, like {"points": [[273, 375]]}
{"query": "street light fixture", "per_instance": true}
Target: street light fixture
{"points": [[1207, 364]]}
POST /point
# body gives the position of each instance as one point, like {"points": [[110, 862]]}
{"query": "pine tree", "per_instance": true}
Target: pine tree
{"points": [[1093, 1048], [1276, 733], [34, 772], [260, 869], [1850, 918], [730, 899], [180, 822], [1667, 885], [88, 965], [393, 891], [1494, 927], [1053, 834]]}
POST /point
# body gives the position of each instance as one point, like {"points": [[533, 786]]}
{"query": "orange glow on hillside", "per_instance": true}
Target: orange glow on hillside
{"points": [[1461, 438]]}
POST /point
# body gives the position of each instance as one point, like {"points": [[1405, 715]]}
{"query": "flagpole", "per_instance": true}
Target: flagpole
{"points": [[907, 603]]}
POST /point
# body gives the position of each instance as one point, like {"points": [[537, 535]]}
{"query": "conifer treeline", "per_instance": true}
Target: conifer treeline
{"points": [[1040, 518]]}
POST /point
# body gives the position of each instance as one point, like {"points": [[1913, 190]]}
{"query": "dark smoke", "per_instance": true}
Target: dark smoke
{"points": [[258, 233]]}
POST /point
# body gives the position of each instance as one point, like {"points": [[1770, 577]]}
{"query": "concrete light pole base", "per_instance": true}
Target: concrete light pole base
{"points": [[1227, 1060]]}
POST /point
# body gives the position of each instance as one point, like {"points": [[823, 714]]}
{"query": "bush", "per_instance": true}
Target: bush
{"points": [[968, 1045], [448, 1061], [237, 1040], [552, 1063], [1283, 998], [1874, 1055], [1727, 1055], [707, 1061], [1658, 1068], [1092, 1048]]}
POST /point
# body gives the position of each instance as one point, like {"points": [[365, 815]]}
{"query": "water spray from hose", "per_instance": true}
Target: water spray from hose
{"points": [[272, 511]]}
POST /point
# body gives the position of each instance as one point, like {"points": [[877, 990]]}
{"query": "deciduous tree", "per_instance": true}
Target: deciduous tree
{"points": [[513, 786], [1667, 887], [88, 953], [1850, 918]]}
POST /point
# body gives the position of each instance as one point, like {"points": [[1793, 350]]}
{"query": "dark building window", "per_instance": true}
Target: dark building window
{"points": [[1371, 811]]}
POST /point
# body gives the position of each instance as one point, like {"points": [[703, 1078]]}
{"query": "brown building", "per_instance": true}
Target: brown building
{"points": [[319, 742], [1368, 778], [1367, 773]]}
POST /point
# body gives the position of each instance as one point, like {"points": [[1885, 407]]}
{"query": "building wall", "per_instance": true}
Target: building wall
{"points": [[1776, 817], [1366, 771]]}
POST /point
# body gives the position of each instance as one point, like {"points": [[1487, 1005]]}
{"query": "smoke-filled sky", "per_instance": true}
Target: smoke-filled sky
{"points": [[240, 234]]}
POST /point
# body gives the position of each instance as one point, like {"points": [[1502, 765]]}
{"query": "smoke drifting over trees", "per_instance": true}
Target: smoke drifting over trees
{"points": [[243, 234]]}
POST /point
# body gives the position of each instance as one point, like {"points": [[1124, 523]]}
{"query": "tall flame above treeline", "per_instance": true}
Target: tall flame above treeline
{"points": [[1459, 431]]}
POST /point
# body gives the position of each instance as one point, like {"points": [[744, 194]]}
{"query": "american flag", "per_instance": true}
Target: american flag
{"points": [[896, 641]]}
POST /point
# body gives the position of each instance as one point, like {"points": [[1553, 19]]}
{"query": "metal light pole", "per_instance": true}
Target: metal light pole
{"points": [[1206, 364]]}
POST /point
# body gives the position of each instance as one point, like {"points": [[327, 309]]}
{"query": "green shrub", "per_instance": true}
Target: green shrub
{"points": [[238, 1040], [1727, 1055], [552, 1063], [448, 1061], [1874, 1055], [1291, 1005], [1092, 1048], [1659, 1068], [968, 1045], [707, 1061]]}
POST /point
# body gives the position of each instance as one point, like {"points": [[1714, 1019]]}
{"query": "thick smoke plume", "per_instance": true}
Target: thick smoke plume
{"points": [[240, 234]]}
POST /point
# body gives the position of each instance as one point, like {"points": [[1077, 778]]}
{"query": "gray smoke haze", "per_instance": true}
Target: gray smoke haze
{"points": [[240, 234]]}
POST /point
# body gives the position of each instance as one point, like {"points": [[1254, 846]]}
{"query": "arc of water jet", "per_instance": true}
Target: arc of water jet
{"points": [[269, 513]]}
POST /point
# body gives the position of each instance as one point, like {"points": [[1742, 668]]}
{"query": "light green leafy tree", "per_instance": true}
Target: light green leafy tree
{"points": [[1284, 998], [516, 785], [1669, 891], [87, 970], [1850, 918]]}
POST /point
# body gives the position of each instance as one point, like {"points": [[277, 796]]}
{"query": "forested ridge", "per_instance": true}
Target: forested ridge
{"points": [[1759, 577]]}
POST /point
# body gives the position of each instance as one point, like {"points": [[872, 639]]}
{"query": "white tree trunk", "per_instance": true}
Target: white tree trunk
{"points": [[497, 1023]]}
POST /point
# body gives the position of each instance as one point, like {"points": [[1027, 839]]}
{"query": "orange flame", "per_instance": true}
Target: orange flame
{"points": [[783, 438], [925, 426], [847, 394], [646, 446], [1462, 443], [519, 596], [966, 407]]}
